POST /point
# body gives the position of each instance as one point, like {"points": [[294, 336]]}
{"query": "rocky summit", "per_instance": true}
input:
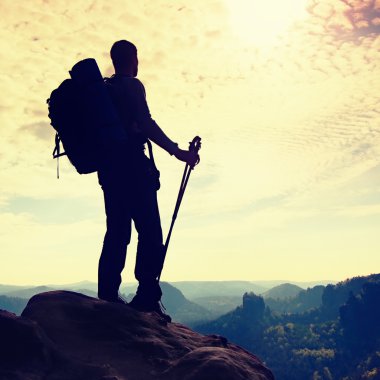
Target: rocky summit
{"points": [[69, 336]]}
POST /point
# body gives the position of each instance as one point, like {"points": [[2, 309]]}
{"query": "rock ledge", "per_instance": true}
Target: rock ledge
{"points": [[68, 336]]}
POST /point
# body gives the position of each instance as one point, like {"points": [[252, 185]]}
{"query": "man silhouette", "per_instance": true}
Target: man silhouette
{"points": [[129, 182]]}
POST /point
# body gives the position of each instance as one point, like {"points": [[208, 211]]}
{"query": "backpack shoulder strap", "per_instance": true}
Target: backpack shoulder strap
{"points": [[150, 148], [151, 156], [57, 151]]}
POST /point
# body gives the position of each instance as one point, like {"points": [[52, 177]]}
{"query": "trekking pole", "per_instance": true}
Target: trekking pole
{"points": [[194, 146]]}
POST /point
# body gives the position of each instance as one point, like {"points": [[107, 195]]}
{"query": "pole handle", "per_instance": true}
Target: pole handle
{"points": [[194, 146]]}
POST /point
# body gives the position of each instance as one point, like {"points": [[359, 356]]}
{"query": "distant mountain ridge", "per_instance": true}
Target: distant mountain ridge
{"points": [[188, 301], [28, 292], [305, 300], [4, 288], [190, 289], [283, 291], [218, 305], [196, 289], [13, 304], [178, 306], [302, 284]]}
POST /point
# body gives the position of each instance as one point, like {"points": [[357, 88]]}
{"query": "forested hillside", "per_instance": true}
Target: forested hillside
{"points": [[340, 339]]}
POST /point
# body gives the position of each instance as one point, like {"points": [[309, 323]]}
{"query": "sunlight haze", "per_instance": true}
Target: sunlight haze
{"points": [[285, 95]]}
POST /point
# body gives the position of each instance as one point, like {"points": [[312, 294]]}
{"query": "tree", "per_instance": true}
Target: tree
{"points": [[360, 318]]}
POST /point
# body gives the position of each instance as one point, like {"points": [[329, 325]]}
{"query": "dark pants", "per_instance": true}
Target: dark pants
{"points": [[129, 194]]}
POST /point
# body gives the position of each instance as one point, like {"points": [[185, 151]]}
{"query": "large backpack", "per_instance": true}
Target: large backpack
{"points": [[84, 118]]}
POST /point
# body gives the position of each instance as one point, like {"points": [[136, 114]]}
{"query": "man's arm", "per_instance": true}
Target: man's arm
{"points": [[146, 124], [153, 132]]}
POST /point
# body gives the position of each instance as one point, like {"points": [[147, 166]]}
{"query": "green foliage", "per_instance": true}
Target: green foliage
{"points": [[314, 344], [360, 318], [295, 351], [335, 296], [367, 369]]}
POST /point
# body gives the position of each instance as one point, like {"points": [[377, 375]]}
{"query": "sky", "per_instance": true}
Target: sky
{"points": [[285, 95]]}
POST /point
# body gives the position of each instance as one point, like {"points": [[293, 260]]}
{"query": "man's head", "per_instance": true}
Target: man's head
{"points": [[124, 57]]}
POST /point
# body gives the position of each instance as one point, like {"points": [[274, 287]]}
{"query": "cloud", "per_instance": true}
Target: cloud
{"points": [[35, 253], [347, 20], [364, 16], [290, 123], [53, 211], [41, 129]]}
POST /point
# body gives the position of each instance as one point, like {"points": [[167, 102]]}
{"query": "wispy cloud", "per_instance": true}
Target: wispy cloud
{"points": [[290, 120]]}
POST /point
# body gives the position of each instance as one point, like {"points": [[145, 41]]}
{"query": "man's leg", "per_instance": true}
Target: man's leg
{"points": [[150, 250], [117, 237]]}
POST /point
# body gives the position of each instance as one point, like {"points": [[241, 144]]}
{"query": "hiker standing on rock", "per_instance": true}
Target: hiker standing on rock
{"points": [[130, 180]]}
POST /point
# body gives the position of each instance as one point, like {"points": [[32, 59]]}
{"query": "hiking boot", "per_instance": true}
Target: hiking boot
{"points": [[140, 304], [160, 310]]}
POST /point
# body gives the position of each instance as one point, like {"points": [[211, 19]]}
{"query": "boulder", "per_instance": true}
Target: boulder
{"points": [[64, 335]]}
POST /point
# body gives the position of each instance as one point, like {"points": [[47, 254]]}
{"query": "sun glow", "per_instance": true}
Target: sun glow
{"points": [[260, 22]]}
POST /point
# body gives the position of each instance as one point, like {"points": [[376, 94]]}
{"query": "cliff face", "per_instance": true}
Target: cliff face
{"points": [[69, 336]]}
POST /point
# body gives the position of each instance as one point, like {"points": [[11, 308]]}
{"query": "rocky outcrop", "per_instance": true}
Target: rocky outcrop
{"points": [[68, 336]]}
